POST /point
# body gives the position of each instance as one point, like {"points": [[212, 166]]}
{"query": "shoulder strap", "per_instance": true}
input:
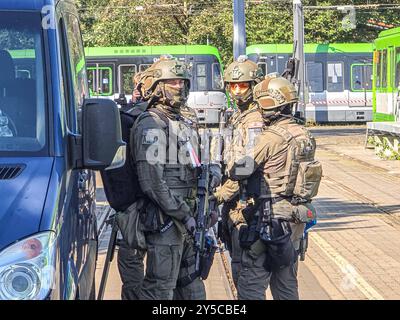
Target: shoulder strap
{"points": [[161, 115], [285, 134]]}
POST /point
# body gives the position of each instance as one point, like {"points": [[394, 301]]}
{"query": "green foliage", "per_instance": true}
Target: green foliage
{"points": [[163, 22]]}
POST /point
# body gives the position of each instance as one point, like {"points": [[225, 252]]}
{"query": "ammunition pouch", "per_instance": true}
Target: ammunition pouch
{"points": [[153, 220], [280, 251], [248, 234], [130, 225], [308, 179], [304, 213]]}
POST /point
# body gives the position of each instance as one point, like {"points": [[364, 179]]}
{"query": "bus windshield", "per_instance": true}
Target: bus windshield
{"points": [[22, 86]]}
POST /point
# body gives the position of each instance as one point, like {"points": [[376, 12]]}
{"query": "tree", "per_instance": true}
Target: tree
{"points": [[163, 22]]}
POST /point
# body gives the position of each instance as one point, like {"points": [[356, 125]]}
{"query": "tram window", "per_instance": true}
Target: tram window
{"points": [[92, 80], [315, 76], [143, 67], [126, 74], [368, 77], [378, 68], [217, 82], [335, 77], [263, 67], [201, 76], [384, 68], [282, 63], [397, 71], [100, 80], [361, 77]]}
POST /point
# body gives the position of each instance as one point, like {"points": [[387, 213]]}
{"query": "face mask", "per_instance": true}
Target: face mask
{"points": [[175, 96]]}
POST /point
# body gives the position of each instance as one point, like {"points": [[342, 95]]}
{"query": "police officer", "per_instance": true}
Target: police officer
{"points": [[276, 191], [246, 123], [164, 150]]}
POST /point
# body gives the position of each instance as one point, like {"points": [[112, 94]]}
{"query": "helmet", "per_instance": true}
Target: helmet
{"points": [[242, 70], [166, 68], [274, 92]]}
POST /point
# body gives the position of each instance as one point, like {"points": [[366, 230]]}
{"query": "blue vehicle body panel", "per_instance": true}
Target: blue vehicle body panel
{"points": [[24, 5], [22, 199], [49, 194]]}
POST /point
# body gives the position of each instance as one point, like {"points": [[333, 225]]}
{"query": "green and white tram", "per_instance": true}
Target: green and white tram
{"points": [[111, 71], [338, 78], [386, 84]]}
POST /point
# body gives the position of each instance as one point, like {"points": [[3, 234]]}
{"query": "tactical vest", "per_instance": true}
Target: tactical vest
{"points": [[301, 174], [181, 178]]}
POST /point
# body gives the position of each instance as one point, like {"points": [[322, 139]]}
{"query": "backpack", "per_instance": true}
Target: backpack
{"points": [[121, 185]]}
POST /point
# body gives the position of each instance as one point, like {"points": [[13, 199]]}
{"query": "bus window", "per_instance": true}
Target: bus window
{"points": [[217, 82], [201, 76], [143, 67], [335, 77], [384, 68], [315, 76], [263, 67], [126, 73], [361, 77], [397, 70]]}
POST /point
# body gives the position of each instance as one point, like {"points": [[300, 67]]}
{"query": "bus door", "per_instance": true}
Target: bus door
{"points": [[337, 98], [360, 93], [101, 79]]}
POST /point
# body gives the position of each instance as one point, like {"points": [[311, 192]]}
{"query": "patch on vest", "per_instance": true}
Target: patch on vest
{"points": [[150, 136], [254, 125]]}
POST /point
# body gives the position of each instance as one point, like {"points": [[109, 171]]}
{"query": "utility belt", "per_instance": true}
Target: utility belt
{"points": [[267, 234]]}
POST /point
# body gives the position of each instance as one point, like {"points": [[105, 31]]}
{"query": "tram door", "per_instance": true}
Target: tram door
{"points": [[396, 83], [337, 99], [360, 91]]}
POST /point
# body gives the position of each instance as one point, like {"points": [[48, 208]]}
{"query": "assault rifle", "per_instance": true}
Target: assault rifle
{"points": [[292, 67], [204, 241], [291, 73]]}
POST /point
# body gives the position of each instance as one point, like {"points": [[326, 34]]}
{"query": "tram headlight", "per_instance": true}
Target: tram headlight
{"points": [[27, 268]]}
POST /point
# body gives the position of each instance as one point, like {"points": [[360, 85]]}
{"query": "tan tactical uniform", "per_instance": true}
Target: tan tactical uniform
{"points": [[276, 172], [246, 126], [270, 161]]}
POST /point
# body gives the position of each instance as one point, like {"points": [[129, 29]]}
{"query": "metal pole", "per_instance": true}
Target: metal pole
{"points": [[298, 35], [239, 29]]}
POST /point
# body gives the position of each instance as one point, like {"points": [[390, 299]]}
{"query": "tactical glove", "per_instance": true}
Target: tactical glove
{"points": [[190, 224], [215, 176]]}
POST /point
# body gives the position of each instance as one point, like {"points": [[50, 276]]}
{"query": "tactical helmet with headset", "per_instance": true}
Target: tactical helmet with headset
{"points": [[239, 71], [274, 93], [166, 68]]}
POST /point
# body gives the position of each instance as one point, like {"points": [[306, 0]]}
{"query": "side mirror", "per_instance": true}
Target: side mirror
{"points": [[100, 146]]}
